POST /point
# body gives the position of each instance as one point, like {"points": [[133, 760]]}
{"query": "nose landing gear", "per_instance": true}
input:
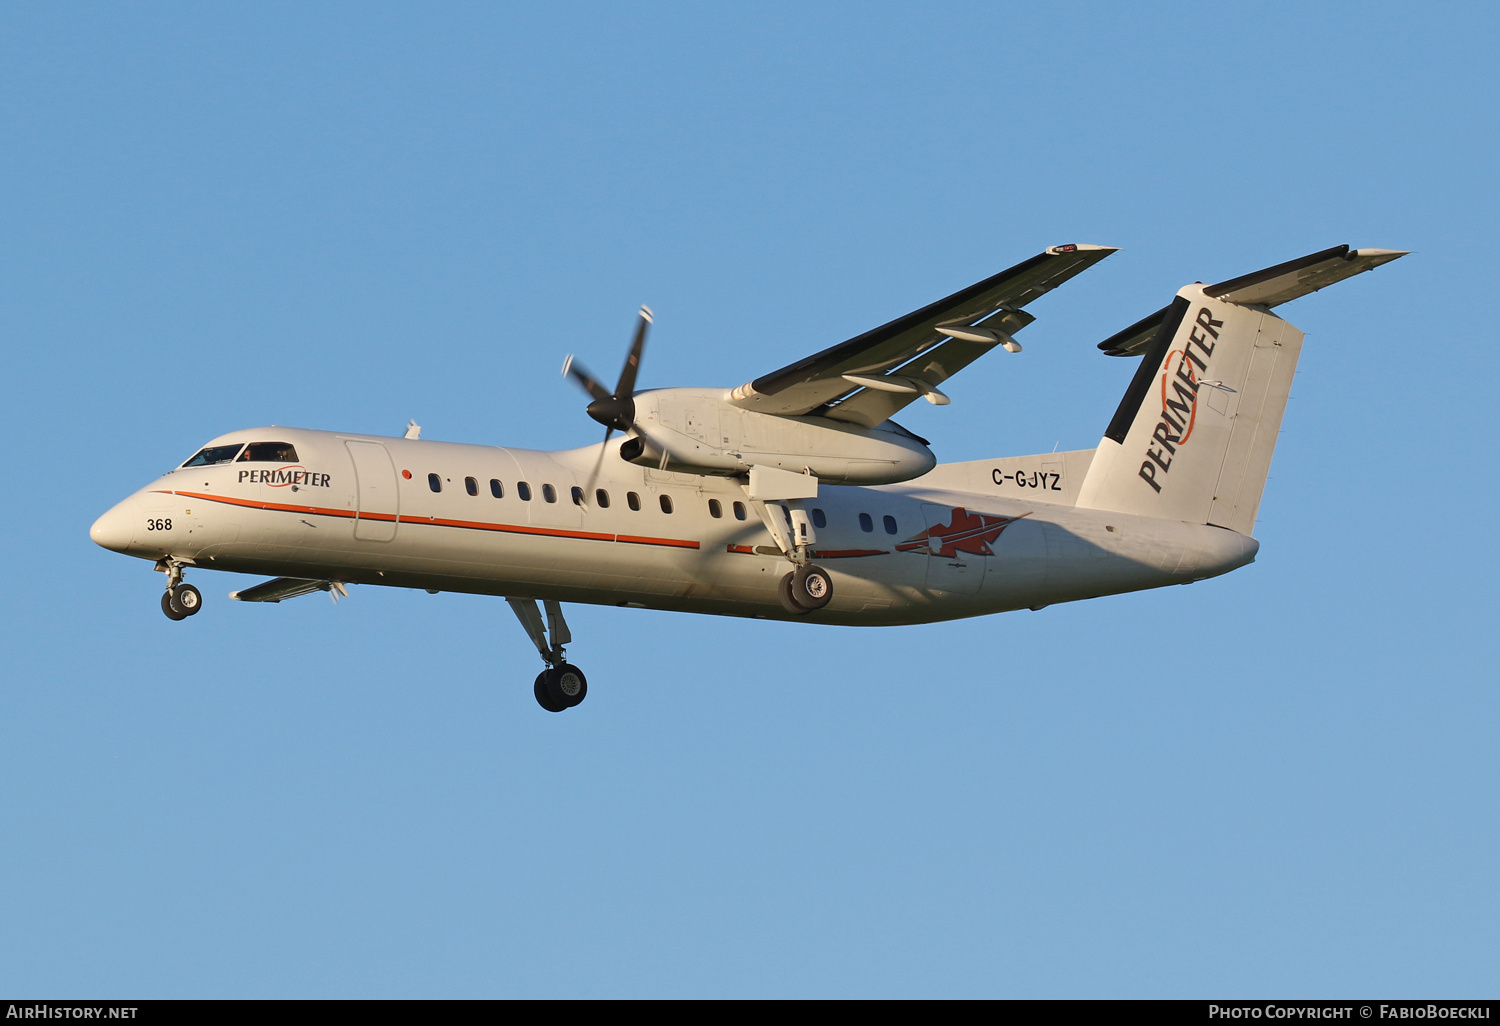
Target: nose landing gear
{"points": [[181, 600], [561, 685]]}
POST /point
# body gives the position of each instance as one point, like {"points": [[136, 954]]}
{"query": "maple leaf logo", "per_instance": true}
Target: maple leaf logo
{"points": [[965, 532]]}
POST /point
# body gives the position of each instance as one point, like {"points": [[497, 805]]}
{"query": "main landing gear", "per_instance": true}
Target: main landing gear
{"points": [[805, 589], [808, 587], [561, 685], [181, 600]]}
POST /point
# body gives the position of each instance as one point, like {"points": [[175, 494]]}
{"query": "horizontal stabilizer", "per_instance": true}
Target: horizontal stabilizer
{"points": [[285, 588], [1283, 283], [1270, 286], [1134, 339]]}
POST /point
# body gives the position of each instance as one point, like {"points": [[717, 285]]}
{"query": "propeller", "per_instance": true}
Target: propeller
{"points": [[615, 410]]}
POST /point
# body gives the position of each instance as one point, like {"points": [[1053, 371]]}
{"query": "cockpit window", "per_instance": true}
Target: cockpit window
{"points": [[214, 454], [268, 452]]}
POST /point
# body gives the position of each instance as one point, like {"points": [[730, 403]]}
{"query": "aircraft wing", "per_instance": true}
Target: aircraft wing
{"points": [[286, 587], [917, 346]]}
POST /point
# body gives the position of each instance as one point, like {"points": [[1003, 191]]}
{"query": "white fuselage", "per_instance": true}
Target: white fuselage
{"points": [[362, 509]]}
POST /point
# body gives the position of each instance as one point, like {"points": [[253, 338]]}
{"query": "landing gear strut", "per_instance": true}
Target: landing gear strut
{"points": [[561, 685], [808, 587], [181, 600]]}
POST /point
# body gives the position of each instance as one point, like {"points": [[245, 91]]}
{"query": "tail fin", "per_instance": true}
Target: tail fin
{"points": [[1193, 437]]}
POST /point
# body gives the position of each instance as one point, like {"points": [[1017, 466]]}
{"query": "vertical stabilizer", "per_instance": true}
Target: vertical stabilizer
{"points": [[1193, 437]]}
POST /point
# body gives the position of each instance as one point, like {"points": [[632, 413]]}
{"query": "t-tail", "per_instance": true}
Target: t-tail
{"points": [[1193, 437]]}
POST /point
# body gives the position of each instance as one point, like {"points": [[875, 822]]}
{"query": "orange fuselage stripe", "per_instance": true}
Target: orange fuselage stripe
{"points": [[471, 525]]}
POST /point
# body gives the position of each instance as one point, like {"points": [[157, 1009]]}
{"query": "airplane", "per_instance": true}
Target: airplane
{"points": [[794, 496]]}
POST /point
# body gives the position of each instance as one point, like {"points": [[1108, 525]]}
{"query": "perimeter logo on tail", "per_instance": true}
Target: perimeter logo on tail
{"points": [[1182, 400], [965, 532]]}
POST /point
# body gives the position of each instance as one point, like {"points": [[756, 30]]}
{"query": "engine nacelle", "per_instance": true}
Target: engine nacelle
{"points": [[699, 432]]}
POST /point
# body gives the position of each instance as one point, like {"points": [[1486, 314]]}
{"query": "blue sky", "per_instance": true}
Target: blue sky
{"points": [[1279, 783]]}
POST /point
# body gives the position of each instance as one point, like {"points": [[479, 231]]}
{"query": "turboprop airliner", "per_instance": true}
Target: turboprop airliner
{"points": [[794, 496]]}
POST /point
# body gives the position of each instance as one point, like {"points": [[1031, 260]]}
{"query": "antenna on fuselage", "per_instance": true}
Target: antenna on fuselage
{"points": [[413, 430]]}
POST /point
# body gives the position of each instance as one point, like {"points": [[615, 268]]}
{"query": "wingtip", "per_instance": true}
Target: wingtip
{"points": [[1081, 247]]}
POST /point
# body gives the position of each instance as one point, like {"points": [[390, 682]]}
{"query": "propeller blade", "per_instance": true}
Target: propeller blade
{"points": [[588, 489], [573, 369], [626, 388], [615, 410]]}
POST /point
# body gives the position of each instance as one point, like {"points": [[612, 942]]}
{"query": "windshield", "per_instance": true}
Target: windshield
{"points": [[269, 452], [214, 454]]}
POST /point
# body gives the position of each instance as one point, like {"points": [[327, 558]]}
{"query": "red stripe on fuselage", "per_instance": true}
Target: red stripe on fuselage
{"points": [[470, 525], [641, 540]]}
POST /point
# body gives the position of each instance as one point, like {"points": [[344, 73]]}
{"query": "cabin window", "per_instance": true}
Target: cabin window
{"points": [[601, 497], [633, 501], [213, 455], [471, 486], [523, 491], [496, 488], [739, 511], [577, 496], [819, 519], [434, 482], [865, 523], [666, 504], [714, 509], [268, 452], [549, 493], [890, 524]]}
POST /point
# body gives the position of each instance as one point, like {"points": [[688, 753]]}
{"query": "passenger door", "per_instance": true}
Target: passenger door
{"points": [[378, 499]]}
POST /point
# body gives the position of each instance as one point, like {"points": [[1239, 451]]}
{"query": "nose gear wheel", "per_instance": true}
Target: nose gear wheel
{"points": [[168, 607], [187, 599], [181, 600]]}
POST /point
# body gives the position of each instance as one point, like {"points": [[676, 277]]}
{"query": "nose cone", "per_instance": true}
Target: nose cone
{"points": [[116, 529]]}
